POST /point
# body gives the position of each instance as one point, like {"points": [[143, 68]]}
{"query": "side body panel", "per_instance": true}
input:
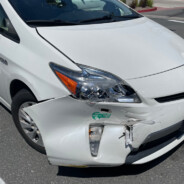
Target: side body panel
{"points": [[3, 64], [29, 60]]}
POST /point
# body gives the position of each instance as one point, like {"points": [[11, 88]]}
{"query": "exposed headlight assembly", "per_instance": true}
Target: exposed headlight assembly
{"points": [[95, 85]]}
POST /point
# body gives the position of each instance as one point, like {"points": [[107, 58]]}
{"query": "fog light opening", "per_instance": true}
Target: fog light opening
{"points": [[95, 134]]}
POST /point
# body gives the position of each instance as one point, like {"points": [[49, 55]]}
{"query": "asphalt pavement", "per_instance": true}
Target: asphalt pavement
{"points": [[169, 3], [171, 18], [20, 164]]}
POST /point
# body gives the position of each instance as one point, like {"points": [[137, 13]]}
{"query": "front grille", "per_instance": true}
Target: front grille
{"points": [[170, 98]]}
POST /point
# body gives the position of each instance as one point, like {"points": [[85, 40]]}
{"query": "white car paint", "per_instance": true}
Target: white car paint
{"points": [[72, 137], [147, 56], [1, 181], [30, 57], [86, 46]]}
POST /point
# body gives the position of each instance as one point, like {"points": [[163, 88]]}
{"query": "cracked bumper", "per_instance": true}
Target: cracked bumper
{"points": [[64, 126]]}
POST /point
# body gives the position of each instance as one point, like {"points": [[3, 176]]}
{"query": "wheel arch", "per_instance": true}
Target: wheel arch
{"points": [[16, 85]]}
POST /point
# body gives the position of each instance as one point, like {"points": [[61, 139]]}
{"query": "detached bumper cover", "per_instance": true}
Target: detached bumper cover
{"points": [[64, 126]]}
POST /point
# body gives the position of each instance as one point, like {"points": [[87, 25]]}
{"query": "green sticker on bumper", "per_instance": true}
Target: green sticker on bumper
{"points": [[98, 115]]}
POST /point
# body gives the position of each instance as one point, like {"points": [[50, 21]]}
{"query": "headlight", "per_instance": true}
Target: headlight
{"points": [[95, 85]]}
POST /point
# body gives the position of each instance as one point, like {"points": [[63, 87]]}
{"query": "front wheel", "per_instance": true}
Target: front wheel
{"points": [[25, 125]]}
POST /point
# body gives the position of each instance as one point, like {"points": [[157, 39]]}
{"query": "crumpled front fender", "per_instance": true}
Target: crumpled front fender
{"points": [[64, 126]]}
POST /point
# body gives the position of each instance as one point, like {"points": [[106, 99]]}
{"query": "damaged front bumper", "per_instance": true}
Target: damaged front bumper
{"points": [[64, 125]]}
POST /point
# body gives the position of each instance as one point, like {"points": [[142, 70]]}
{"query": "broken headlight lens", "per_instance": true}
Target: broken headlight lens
{"points": [[95, 85]]}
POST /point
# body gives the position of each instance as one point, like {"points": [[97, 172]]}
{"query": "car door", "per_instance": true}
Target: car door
{"points": [[8, 38]]}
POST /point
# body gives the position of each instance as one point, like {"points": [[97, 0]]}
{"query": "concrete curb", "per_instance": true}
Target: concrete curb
{"points": [[163, 9], [148, 10]]}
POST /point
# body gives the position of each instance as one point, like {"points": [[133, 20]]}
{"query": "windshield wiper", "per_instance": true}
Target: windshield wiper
{"points": [[49, 22], [62, 22], [130, 16], [106, 17], [111, 17]]}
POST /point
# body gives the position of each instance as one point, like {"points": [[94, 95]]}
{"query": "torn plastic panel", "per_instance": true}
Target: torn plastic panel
{"points": [[64, 126]]}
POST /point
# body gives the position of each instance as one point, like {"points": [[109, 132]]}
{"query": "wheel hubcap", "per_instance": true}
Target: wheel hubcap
{"points": [[28, 125]]}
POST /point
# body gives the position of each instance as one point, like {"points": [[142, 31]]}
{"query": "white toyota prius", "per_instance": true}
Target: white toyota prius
{"points": [[91, 82]]}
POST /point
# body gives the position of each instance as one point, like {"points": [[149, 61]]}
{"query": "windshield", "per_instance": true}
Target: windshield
{"points": [[71, 12]]}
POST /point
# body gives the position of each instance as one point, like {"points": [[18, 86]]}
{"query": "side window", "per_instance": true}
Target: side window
{"points": [[6, 27]]}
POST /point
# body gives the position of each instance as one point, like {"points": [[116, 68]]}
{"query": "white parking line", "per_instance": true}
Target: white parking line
{"points": [[1, 181], [178, 21]]}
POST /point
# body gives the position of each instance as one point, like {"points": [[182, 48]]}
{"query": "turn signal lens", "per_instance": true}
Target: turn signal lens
{"points": [[95, 133], [69, 83]]}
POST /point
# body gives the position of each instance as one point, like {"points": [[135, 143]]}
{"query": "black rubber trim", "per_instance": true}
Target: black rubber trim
{"points": [[151, 147], [164, 133], [170, 98], [134, 156]]}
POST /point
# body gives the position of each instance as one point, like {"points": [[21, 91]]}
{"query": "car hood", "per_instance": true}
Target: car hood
{"points": [[130, 49]]}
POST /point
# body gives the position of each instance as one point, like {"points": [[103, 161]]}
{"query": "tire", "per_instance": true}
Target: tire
{"points": [[22, 97]]}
